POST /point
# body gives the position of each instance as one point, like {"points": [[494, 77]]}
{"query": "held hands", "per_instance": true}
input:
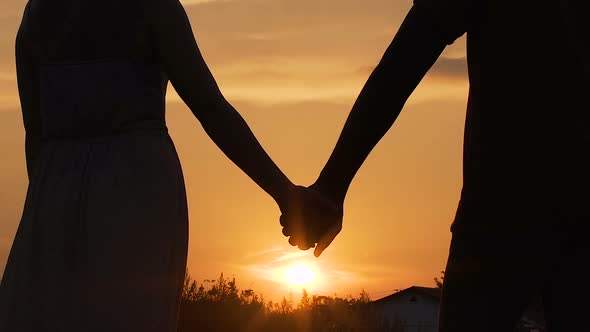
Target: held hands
{"points": [[310, 219]]}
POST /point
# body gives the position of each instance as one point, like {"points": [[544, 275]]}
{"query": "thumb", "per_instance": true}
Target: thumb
{"points": [[326, 240]]}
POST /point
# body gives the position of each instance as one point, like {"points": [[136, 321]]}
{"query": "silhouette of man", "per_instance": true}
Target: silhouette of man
{"points": [[521, 225]]}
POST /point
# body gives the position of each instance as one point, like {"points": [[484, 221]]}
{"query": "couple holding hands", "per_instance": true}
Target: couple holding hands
{"points": [[102, 242]]}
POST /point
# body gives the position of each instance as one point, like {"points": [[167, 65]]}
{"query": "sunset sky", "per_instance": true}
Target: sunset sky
{"points": [[293, 69]]}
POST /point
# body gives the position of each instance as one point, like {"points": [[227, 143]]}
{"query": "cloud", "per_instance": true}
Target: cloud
{"points": [[445, 67], [8, 91], [341, 29], [450, 68], [187, 3], [281, 79], [271, 265], [8, 76], [262, 253]]}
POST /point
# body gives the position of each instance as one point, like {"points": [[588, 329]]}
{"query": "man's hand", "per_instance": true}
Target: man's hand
{"points": [[332, 225]]}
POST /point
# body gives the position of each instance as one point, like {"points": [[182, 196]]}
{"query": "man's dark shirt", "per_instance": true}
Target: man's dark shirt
{"points": [[527, 132]]}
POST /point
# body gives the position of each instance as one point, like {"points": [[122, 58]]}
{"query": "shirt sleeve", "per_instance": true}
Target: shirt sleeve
{"points": [[454, 16]]}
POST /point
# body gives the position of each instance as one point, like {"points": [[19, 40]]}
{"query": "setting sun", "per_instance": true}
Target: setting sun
{"points": [[300, 275]]}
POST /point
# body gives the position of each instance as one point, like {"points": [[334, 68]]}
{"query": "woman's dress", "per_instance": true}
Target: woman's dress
{"points": [[103, 238]]}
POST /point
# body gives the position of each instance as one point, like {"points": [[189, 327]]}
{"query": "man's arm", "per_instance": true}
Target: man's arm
{"points": [[415, 48]]}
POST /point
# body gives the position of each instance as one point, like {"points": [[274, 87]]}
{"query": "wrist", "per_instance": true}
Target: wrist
{"points": [[330, 190], [283, 194]]}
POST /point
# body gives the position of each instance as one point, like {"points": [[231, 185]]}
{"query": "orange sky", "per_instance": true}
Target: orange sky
{"points": [[293, 68]]}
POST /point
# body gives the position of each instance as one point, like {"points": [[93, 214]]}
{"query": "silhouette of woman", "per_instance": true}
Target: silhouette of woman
{"points": [[522, 223], [102, 242]]}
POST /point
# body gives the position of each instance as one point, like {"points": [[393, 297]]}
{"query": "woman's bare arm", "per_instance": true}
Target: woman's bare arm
{"points": [[192, 79]]}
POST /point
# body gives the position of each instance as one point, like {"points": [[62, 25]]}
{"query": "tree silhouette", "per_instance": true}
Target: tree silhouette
{"points": [[219, 305], [305, 301], [439, 282]]}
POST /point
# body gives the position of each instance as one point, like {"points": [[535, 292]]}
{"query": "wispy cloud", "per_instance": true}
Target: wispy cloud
{"points": [[200, 2], [8, 91], [450, 68], [445, 68], [7, 76], [262, 253], [287, 257], [271, 265]]}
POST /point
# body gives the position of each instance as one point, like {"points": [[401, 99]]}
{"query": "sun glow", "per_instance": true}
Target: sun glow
{"points": [[300, 275]]}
